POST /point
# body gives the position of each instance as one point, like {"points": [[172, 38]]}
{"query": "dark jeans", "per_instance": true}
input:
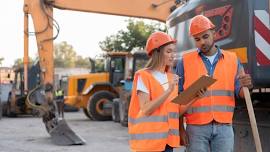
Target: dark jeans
{"points": [[168, 149]]}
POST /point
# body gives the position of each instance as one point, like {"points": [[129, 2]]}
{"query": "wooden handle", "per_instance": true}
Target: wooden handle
{"points": [[252, 117]]}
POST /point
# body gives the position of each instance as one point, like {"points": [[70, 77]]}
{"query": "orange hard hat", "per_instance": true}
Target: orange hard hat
{"points": [[200, 24], [156, 40]]}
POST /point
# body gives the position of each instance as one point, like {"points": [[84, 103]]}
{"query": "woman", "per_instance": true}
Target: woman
{"points": [[153, 118]]}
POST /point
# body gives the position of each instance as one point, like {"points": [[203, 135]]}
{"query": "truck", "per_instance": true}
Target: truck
{"points": [[242, 27]]}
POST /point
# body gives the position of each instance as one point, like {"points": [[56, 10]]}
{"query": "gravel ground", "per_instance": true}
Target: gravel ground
{"points": [[28, 134]]}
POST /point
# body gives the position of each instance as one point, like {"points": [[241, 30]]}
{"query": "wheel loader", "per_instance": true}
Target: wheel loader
{"points": [[94, 92]]}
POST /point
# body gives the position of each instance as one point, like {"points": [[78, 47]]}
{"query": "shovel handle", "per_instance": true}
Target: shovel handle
{"points": [[252, 117]]}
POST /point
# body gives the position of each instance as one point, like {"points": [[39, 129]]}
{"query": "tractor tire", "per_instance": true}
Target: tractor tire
{"points": [[10, 113], [85, 111], [96, 107], [115, 110], [123, 114]]}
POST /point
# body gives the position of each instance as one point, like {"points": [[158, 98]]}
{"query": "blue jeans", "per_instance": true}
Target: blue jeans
{"points": [[213, 137]]}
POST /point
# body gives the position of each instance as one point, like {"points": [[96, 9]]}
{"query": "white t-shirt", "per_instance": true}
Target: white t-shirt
{"points": [[159, 76], [212, 58]]}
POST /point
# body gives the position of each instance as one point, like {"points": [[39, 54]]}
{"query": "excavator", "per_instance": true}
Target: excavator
{"points": [[41, 11]]}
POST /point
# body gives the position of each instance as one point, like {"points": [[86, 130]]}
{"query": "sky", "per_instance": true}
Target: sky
{"points": [[82, 30]]}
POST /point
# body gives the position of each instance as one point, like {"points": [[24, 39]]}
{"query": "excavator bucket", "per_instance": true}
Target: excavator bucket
{"points": [[41, 100], [63, 135]]}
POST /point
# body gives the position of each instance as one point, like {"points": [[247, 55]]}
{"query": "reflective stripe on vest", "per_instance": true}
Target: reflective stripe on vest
{"points": [[59, 93], [209, 109], [219, 93], [218, 101], [162, 135], [161, 127], [172, 115]]}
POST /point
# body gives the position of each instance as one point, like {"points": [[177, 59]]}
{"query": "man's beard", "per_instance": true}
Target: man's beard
{"points": [[207, 48]]}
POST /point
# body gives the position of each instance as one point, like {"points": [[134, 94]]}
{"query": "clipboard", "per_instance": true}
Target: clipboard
{"points": [[189, 94]]}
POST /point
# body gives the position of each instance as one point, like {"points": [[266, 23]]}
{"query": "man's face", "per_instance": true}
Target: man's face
{"points": [[204, 41]]}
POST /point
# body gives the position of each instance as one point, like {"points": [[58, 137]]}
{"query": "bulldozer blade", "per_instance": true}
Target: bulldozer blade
{"points": [[62, 135]]}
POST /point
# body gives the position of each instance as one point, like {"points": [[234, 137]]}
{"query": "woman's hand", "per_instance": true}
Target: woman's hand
{"points": [[173, 82]]}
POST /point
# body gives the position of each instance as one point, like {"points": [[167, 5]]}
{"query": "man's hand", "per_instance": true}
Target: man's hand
{"points": [[201, 93], [245, 81]]}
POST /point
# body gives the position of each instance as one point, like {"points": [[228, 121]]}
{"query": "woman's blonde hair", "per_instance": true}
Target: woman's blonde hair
{"points": [[157, 59]]}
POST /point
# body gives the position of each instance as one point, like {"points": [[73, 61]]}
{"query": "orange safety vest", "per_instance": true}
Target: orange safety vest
{"points": [[161, 127], [218, 103]]}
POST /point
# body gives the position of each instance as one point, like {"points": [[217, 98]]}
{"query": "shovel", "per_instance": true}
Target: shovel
{"points": [[252, 117]]}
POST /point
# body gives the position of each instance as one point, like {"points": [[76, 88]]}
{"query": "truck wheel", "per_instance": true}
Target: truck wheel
{"points": [[123, 114], [8, 110], [100, 105], [85, 111], [115, 110]]}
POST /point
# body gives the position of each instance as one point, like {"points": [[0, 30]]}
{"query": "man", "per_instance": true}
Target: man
{"points": [[209, 119], [59, 96]]}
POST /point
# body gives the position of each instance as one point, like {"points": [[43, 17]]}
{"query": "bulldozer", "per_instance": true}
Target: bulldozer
{"points": [[95, 92], [41, 12]]}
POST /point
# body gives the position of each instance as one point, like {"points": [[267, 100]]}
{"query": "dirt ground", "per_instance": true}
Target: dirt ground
{"points": [[28, 134]]}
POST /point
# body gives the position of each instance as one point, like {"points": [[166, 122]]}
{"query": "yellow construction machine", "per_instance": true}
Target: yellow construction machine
{"points": [[95, 92], [41, 11]]}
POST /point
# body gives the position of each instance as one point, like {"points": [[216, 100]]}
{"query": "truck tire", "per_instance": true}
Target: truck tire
{"points": [[115, 110], [85, 111], [8, 110], [96, 106], [123, 114]]}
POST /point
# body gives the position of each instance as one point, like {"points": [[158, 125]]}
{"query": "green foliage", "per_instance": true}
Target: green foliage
{"points": [[19, 62], [135, 36], [1, 60], [99, 65], [65, 57]]}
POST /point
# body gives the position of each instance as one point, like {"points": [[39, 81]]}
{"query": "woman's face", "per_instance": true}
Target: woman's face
{"points": [[169, 54]]}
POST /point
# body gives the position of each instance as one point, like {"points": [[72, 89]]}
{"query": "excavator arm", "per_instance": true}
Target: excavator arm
{"points": [[41, 12]]}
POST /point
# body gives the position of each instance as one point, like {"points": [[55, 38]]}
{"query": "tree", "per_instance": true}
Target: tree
{"points": [[134, 37], [1, 60], [19, 62], [82, 62], [65, 57]]}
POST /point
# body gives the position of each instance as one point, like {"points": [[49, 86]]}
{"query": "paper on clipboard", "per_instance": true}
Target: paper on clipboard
{"points": [[190, 93]]}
